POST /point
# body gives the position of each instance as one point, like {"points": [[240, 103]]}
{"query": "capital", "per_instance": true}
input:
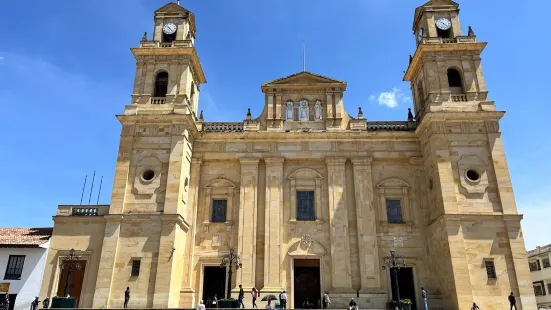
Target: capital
{"points": [[416, 161], [335, 160], [361, 161], [249, 160], [274, 161]]}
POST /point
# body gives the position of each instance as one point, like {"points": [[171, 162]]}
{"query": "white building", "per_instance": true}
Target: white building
{"points": [[23, 253], [540, 269]]}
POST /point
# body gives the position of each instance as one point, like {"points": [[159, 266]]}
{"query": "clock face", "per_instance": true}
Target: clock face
{"points": [[443, 24], [169, 28], [420, 34]]}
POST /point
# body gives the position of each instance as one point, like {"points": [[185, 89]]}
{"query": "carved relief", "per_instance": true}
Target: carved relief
{"points": [[311, 248]]}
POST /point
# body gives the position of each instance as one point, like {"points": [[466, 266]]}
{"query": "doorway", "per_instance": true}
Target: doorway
{"points": [[307, 284], [214, 283], [407, 286], [11, 297], [75, 284]]}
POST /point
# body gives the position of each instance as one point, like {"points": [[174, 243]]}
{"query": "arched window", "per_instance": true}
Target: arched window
{"points": [[420, 95], [445, 34], [455, 81], [161, 84]]}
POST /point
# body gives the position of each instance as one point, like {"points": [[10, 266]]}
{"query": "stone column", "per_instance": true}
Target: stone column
{"points": [[367, 229], [338, 222], [246, 240], [273, 225]]}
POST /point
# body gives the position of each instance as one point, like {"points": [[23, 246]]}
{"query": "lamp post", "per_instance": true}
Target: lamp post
{"points": [[230, 260], [394, 262], [71, 262]]}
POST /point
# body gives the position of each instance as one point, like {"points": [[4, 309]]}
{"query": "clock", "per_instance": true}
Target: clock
{"points": [[420, 35], [443, 24], [169, 28]]}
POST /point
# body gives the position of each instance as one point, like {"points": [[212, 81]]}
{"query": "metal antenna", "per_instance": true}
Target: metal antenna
{"points": [[82, 195], [91, 188], [303, 57], [99, 192]]}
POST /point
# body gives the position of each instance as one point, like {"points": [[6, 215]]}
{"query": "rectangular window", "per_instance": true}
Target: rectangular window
{"points": [[490, 269], [219, 208], [15, 267], [394, 211], [534, 266], [305, 206], [538, 289], [136, 267], [545, 263]]}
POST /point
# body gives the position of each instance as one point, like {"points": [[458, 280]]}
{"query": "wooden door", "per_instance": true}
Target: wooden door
{"points": [[76, 281]]}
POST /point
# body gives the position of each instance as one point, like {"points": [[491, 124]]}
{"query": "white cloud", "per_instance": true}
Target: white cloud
{"points": [[390, 99]]}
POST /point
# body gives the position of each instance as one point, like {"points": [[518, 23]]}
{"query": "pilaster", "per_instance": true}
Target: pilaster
{"points": [[338, 222], [367, 230], [273, 225], [102, 293], [174, 174], [247, 222]]}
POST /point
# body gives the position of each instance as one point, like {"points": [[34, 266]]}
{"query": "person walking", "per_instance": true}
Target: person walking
{"points": [[475, 306], [269, 304], [126, 297], [6, 303], [283, 299], [424, 297], [326, 301], [240, 297], [201, 306], [254, 294], [215, 301], [352, 305], [34, 304], [512, 301]]}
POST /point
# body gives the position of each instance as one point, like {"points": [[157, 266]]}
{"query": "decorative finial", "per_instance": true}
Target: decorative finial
{"points": [[360, 113], [410, 115], [471, 32], [248, 114], [201, 116], [144, 37], [410, 58]]}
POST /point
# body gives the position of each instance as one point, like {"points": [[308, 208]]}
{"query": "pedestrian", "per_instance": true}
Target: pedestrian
{"points": [[283, 299], [34, 304], [306, 304], [269, 304], [126, 297], [240, 297], [215, 301], [512, 301], [6, 303], [254, 294], [326, 301], [424, 297], [352, 305], [475, 306], [208, 304], [46, 303], [201, 306]]}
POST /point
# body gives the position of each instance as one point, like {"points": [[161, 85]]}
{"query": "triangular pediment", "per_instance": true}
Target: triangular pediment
{"points": [[171, 7], [303, 78]]}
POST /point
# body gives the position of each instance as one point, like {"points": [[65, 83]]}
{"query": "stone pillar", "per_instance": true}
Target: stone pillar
{"points": [[106, 267], [338, 222], [173, 182], [246, 240], [188, 293], [367, 229], [273, 225]]}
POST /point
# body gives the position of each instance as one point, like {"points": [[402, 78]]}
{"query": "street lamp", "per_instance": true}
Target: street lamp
{"points": [[394, 262], [70, 263], [230, 260]]}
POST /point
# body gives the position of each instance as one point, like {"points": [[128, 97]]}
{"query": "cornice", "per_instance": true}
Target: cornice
{"points": [[263, 136], [483, 116], [160, 119], [171, 51]]}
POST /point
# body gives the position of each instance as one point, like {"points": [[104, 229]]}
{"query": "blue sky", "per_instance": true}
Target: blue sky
{"points": [[66, 70]]}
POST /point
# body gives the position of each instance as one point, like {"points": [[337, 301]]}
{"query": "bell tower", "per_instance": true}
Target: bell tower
{"points": [[474, 245], [147, 228]]}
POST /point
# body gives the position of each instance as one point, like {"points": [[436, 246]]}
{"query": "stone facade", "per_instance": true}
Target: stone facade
{"points": [[305, 182], [540, 268]]}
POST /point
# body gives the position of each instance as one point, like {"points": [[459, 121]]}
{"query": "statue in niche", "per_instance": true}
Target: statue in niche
{"points": [[318, 115], [304, 112], [289, 111]]}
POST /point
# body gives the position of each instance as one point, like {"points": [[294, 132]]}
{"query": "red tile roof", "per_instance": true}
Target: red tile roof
{"points": [[24, 237]]}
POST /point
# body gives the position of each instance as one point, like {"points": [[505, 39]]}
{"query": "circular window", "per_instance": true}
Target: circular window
{"points": [[148, 175], [473, 175]]}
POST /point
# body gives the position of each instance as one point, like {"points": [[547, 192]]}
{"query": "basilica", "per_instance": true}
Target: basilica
{"points": [[307, 196]]}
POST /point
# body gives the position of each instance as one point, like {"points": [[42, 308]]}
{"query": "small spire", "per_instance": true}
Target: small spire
{"points": [[144, 37], [471, 32], [410, 115], [410, 58], [360, 113], [248, 114], [201, 116]]}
